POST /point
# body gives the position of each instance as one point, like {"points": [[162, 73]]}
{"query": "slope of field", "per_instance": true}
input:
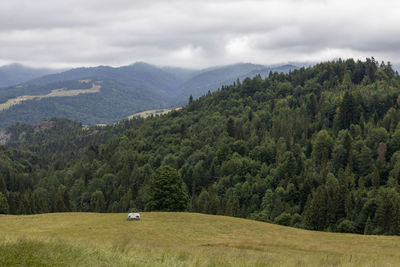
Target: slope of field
{"points": [[54, 93], [154, 112], [181, 239]]}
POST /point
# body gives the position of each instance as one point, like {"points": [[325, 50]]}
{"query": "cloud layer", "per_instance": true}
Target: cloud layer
{"points": [[54, 33]]}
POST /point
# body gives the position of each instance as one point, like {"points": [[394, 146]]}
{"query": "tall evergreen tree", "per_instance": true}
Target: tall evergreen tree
{"points": [[3, 203], [348, 112]]}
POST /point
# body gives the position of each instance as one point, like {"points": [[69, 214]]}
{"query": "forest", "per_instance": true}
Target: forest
{"points": [[317, 148]]}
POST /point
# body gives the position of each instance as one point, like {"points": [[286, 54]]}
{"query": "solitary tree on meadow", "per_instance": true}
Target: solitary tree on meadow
{"points": [[168, 191]]}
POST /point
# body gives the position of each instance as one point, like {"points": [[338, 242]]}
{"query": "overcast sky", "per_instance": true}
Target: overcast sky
{"points": [[72, 33]]}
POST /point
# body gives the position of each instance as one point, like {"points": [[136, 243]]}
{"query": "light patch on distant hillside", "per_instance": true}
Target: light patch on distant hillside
{"points": [[154, 112], [54, 93], [4, 137]]}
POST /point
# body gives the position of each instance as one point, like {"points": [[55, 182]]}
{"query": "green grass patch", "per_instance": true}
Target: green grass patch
{"points": [[25, 252]]}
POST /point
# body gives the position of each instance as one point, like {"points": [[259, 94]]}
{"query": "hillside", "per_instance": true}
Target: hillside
{"points": [[124, 91], [180, 239], [60, 140], [213, 78], [317, 148], [15, 74], [113, 102]]}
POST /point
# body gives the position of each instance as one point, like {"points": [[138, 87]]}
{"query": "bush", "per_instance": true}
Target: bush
{"points": [[296, 220], [346, 226], [283, 219]]}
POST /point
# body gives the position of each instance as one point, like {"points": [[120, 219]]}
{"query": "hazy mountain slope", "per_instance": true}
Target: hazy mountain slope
{"points": [[15, 73], [265, 71], [114, 102], [210, 79], [182, 73], [213, 78], [139, 76], [124, 91]]}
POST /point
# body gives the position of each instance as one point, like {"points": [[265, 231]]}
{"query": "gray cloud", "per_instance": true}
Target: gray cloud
{"points": [[195, 33]]}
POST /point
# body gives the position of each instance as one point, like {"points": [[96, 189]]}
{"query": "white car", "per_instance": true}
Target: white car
{"points": [[133, 217]]}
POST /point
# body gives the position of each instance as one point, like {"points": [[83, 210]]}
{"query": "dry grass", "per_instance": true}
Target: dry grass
{"points": [[54, 93], [154, 112], [200, 240]]}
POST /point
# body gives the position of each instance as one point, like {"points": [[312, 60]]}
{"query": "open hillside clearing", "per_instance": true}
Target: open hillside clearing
{"points": [[181, 239], [152, 112], [54, 93]]}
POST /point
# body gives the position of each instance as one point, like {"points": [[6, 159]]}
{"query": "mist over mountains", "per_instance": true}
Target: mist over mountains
{"points": [[16, 73], [123, 90]]}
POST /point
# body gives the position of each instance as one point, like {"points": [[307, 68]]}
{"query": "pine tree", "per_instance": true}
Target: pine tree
{"points": [[333, 202], [278, 207], [228, 209], [384, 213], [12, 209], [348, 111], [97, 201], [236, 208], [364, 161], [230, 127], [315, 211], [308, 221], [3, 204], [375, 179], [369, 227]]}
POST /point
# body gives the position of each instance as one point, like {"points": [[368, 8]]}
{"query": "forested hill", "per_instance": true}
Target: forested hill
{"points": [[105, 95], [318, 148], [61, 141]]}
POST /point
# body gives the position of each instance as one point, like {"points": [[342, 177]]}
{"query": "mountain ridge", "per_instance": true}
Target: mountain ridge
{"points": [[125, 90], [16, 73]]}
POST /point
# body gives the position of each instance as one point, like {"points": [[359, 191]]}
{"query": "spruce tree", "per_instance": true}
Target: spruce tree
{"points": [[348, 111], [3, 204], [369, 227], [375, 179], [316, 210], [230, 127]]}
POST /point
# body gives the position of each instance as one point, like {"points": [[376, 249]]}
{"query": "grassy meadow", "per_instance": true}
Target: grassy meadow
{"points": [[180, 239], [154, 112], [54, 93]]}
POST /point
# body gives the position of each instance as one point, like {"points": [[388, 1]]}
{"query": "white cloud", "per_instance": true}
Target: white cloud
{"points": [[195, 33]]}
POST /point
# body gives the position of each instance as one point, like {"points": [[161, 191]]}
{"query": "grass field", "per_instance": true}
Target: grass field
{"points": [[180, 239], [54, 93], [154, 112]]}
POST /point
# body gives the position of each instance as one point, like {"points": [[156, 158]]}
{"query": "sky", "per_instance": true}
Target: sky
{"points": [[195, 34]]}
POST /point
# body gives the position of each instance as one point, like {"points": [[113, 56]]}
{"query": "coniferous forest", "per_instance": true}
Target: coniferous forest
{"points": [[318, 148]]}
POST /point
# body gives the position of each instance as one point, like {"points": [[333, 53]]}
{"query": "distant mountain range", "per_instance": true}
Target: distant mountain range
{"points": [[16, 73], [105, 94]]}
